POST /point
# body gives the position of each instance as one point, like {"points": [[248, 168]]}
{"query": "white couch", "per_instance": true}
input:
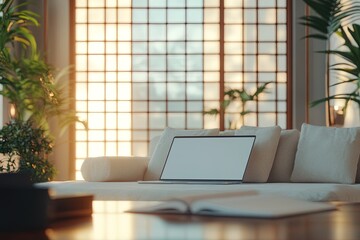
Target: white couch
{"points": [[280, 163]]}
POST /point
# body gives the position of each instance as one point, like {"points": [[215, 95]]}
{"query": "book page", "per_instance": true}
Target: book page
{"points": [[183, 205], [239, 204], [171, 206], [264, 206], [190, 200]]}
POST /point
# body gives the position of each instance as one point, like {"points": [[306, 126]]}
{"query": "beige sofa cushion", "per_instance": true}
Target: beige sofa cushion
{"points": [[263, 153], [327, 155], [285, 156], [114, 169], [158, 157]]}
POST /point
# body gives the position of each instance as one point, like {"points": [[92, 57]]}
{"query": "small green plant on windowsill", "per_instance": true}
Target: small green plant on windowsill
{"points": [[231, 96]]}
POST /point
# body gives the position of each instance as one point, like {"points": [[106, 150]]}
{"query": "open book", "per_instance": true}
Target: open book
{"points": [[241, 204]]}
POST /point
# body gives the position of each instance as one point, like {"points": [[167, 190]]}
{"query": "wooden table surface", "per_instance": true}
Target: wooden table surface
{"points": [[110, 222]]}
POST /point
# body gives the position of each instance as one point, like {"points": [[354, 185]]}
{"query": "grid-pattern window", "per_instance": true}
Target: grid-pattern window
{"points": [[143, 65], [256, 43]]}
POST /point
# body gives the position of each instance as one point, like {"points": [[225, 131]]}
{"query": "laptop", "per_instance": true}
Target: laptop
{"points": [[207, 160]]}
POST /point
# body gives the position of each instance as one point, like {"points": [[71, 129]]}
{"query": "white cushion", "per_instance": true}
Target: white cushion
{"points": [[158, 157], [263, 153], [152, 145], [114, 169], [285, 156], [327, 154], [227, 133]]}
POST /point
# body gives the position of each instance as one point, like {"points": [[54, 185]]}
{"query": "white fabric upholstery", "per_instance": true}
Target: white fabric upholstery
{"points": [[263, 153], [285, 156], [114, 169], [121, 173], [157, 192], [227, 133], [158, 157], [327, 154], [153, 143]]}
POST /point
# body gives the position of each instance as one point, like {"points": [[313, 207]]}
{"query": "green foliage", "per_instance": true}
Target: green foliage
{"points": [[14, 25], [28, 81], [350, 68], [329, 16], [29, 84], [233, 95], [333, 17], [32, 145]]}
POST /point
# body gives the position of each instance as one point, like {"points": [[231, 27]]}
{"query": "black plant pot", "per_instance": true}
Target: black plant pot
{"points": [[23, 207]]}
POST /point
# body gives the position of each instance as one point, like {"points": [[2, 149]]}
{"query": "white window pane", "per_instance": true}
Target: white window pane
{"points": [[157, 15], [211, 32], [157, 32], [176, 3], [157, 3], [139, 3], [157, 62], [267, 33], [194, 62], [176, 32], [233, 63], [194, 3], [96, 32], [139, 16], [267, 16], [176, 16], [194, 16], [233, 15], [176, 63], [267, 3], [267, 62], [139, 32], [96, 15], [233, 32], [211, 62], [140, 62]]}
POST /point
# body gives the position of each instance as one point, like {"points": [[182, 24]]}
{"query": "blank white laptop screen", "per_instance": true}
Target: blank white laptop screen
{"points": [[214, 158]]}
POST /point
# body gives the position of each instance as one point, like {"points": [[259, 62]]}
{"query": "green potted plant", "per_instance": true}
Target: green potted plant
{"points": [[35, 94], [27, 149], [348, 69], [335, 18], [241, 96]]}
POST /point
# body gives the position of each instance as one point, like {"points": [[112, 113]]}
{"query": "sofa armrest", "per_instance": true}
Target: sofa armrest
{"points": [[114, 169]]}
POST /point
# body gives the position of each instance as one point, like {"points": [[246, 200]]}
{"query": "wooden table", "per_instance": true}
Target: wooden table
{"points": [[110, 222]]}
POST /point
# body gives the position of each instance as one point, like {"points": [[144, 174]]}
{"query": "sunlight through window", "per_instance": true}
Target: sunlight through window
{"points": [[144, 65]]}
